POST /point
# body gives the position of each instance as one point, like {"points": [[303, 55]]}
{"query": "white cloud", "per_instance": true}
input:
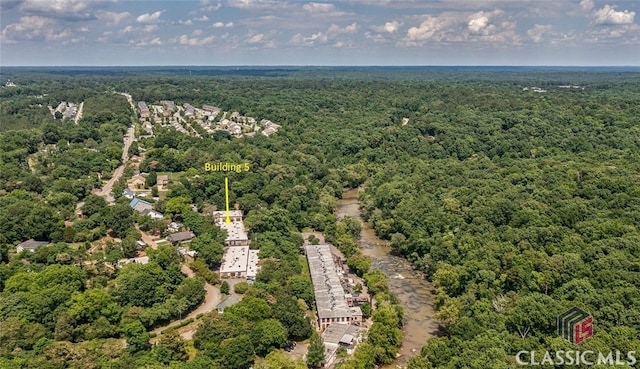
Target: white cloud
{"points": [[155, 41], [318, 37], [150, 28], [259, 4], [212, 8], [392, 27], [336, 29], [586, 5], [255, 39], [222, 25], [318, 7], [481, 28], [204, 18], [197, 32], [33, 27], [149, 18], [112, 18], [480, 22], [538, 32], [626, 33], [609, 16], [63, 9], [431, 28], [193, 41]]}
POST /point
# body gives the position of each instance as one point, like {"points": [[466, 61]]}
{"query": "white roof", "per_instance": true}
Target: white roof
{"points": [[235, 259], [252, 264], [223, 213], [235, 230]]}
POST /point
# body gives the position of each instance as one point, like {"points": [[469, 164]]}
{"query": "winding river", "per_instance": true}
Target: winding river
{"points": [[413, 291]]}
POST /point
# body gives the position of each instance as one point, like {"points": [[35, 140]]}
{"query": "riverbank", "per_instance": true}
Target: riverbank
{"points": [[413, 291]]}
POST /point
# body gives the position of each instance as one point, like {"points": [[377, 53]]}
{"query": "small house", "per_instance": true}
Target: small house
{"points": [[228, 301], [181, 237], [162, 182], [31, 245]]}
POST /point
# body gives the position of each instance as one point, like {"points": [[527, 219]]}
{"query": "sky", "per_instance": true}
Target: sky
{"points": [[347, 32]]}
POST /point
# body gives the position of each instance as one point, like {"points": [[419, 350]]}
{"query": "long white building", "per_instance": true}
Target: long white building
{"points": [[331, 303], [238, 260]]}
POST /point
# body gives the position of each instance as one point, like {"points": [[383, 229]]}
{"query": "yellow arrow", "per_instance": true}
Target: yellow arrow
{"points": [[226, 195]]}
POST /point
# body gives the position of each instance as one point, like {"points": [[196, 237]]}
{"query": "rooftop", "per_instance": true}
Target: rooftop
{"points": [[330, 296], [340, 333], [235, 259], [223, 214], [181, 236], [252, 264], [235, 230], [32, 244], [228, 301]]}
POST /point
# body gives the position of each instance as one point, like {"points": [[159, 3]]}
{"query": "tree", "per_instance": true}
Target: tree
{"points": [[278, 359], [238, 352], [376, 282], [170, 347], [209, 249], [88, 306], [267, 335], [359, 263], [288, 311], [140, 285], [152, 178], [165, 256], [136, 335], [350, 226], [241, 287], [315, 352], [366, 309], [177, 205], [119, 218], [224, 288]]}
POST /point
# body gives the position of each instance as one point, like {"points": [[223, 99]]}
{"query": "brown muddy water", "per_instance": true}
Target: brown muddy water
{"points": [[413, 291]]}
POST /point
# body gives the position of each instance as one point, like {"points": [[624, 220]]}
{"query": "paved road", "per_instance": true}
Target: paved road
{"points": [[105, 191], [211, 299], [79, 113]]}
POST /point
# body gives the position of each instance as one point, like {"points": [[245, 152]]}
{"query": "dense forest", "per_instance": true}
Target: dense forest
{"points": [[516, 192]]}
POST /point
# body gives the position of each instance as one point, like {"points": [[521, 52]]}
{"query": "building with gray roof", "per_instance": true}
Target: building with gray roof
{"points": [[331, 303]]}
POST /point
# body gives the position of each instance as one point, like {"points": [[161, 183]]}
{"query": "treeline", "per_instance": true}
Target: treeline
{"points": [[516, 217], [516, 204]]}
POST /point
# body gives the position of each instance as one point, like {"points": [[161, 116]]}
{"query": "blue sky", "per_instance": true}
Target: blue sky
{"points": [[347, 32]]}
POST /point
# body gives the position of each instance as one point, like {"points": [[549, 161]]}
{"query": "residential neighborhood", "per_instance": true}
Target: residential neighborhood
{"points": [[208, 119]]}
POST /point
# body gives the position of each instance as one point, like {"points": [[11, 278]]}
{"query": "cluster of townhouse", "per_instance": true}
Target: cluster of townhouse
{"points": [[67, 109], [209, 118]]}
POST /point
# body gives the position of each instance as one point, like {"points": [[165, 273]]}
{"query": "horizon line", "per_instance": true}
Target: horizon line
{"points": [[326, 65]]}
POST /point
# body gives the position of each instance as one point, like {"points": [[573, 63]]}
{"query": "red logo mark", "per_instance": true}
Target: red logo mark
{"points": [[583, 330]]}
